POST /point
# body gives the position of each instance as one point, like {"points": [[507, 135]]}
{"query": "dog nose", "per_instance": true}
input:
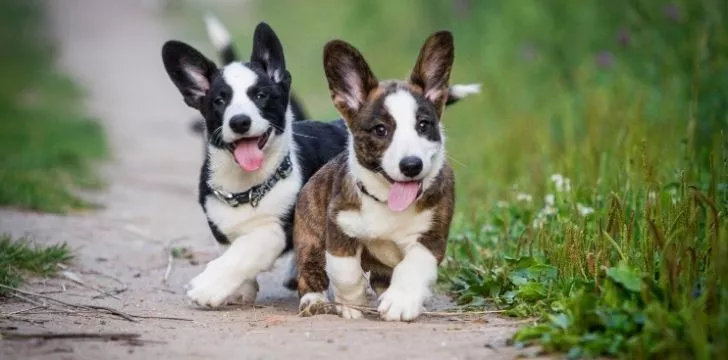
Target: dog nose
{"points": [[410, 166], [240, 124]]}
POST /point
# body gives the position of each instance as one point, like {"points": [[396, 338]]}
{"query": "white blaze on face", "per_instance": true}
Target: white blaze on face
{"points": [[240, 78], [402, 106]]}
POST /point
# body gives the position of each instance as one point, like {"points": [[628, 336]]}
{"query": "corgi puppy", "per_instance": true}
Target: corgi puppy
{"points": [[384, 206]]}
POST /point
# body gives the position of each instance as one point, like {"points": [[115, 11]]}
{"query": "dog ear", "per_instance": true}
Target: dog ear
{"points": [[350, 79], [268, 53], [189, 70], [432, 70]]}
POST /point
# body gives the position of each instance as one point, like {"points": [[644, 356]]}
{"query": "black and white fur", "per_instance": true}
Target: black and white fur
{"points": [[259, 90]]}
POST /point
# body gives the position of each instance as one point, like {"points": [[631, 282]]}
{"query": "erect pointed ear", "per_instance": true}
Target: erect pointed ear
{"points": [[189, 70], [268, 53], [350, 79], [432, 70]]}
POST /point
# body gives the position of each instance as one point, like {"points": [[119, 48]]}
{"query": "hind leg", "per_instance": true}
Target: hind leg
{"points": [[380, 275], [290, 282]]}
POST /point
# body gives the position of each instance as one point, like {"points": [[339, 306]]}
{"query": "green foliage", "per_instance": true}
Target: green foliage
{"points": [[601, 125], [46, 147], [19, 258]]}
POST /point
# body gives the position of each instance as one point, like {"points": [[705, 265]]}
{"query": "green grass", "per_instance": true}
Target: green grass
{"points": [[47, 147], [627, 100], [18, 259]]}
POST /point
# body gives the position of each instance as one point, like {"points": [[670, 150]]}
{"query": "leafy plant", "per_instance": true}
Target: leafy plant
{"points": [[19, 257]]}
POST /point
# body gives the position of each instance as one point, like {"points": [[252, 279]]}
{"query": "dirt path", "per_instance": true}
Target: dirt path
{"points": [[112, 48]]}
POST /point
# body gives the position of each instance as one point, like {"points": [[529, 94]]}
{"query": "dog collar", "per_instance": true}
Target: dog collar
{"points": [[364, 191], [253, 195]]}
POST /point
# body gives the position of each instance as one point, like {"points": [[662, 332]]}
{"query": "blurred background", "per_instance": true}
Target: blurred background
{"points": [[584, 88], [592, 171]]}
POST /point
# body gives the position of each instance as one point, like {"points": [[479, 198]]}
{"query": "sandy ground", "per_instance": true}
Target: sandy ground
{"points": [[112, 48]]}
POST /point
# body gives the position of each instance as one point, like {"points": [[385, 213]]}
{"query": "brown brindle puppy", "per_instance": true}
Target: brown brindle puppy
{"points": [[385, 205]]}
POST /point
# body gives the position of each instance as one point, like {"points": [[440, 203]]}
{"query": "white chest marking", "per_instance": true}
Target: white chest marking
{"points": [[384, 232], [238, 221]]}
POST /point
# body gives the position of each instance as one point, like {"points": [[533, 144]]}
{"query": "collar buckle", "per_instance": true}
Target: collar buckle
{"points": [[256, 193]]}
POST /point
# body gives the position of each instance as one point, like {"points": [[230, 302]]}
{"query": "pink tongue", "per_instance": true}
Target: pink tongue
{"points": [[402, 195], [248, 155]]}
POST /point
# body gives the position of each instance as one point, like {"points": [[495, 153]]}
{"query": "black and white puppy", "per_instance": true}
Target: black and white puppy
{"points": [[222, 42], [257, 158]]}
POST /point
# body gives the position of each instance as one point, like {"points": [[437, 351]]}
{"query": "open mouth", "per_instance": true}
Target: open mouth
{"points": [[248, 151], [402, 194]]}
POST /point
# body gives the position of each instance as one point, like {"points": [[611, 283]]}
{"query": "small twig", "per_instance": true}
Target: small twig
{"points": [[373, 311], [81, 312], [78, 281], [168, 271], [21, 297], [118, 313], [23, 310], [47, 336], [108, 310], [161, 318], [37, 295]]}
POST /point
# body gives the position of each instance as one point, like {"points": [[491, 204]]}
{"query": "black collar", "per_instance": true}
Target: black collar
{"points": [[364, 191], [256, 193]]}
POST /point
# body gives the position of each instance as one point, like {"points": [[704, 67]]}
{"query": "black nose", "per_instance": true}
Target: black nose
{"points": [[240, 124], [410, 166]]}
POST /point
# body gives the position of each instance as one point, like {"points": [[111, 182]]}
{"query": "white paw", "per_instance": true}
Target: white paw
{"points": [[247, 293], [400, 305], [313, 303], [348, 313], [215, 285]]}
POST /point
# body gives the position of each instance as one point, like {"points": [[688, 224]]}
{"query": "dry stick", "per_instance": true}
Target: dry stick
{"points": [[23, 310], [110, 310], [168, 271], [81, 312], [100, 291], [118, 313], [115, 291], [371, 310], [37, 295], [21, 297], [48, 336], [162, 317]]}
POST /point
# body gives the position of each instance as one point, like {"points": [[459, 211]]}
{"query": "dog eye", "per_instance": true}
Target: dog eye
{"points": [[219, 100], [422, 125], [380, 131], [260, 95]]}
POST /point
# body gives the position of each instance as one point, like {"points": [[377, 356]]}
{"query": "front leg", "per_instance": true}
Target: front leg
{"points": [[248, 255], [343, 267], [411, 281]]}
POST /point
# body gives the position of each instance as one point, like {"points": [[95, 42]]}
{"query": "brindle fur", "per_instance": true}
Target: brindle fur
{"points": [[333, 189]]}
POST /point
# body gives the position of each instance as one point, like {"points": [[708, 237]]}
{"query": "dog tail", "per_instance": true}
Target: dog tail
{"points": [[461, 91], [220, 38]]}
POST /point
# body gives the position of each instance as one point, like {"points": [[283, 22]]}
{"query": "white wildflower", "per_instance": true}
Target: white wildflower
{"points": [[651, 196], [562, 183], [549, 210], [524, 197], [584, 210], [488, 228], [673, 195], [550, 199], [539, 222]]}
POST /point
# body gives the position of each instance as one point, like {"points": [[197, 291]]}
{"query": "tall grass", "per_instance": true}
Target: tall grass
{"points": [[592, 180], [46, 147]]}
